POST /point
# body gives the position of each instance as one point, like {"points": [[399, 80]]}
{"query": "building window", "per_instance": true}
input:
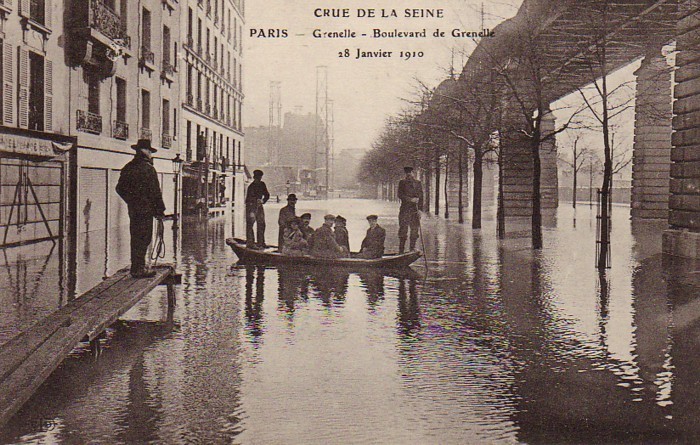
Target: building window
{"points": [[36, 91], [146, 29], [37, 11], [199, 36], [145, 109], [188, 99], [216, 49], [174, 122], [166, 116], [190, 24], [188, 141], [93, 86], [121, 99], [208, 45], [166, 45]]}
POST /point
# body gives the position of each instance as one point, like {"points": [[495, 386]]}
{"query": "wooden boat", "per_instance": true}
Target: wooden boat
{"points": [[273, 257]]}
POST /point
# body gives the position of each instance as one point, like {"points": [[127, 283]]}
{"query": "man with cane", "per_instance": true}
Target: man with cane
{"points": [[411, 196], [138, 186]]}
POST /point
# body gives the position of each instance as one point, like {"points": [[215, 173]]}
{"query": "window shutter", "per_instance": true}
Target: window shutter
{"points": [[48, 95], [24, 8], [48, 12], [8, 84], [23, 109]]}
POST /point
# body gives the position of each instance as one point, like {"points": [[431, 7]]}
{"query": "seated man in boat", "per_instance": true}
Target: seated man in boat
{"points": [[287, 213], [294, 242], [341, 234], [373, 244], [306, 229], [323, 244]]}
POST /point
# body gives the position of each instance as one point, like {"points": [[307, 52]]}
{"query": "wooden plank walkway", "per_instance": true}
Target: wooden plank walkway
{"points": [[28, 359]]}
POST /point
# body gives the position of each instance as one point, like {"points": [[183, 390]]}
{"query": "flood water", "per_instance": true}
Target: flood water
{"points": [[486, 342]]}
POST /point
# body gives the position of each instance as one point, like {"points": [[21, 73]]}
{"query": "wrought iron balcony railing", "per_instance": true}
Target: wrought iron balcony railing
{"points": [[89, 122], [120, 130], [147, 56], [145, 133], [166, 140], [107, 22], [168, 70]]}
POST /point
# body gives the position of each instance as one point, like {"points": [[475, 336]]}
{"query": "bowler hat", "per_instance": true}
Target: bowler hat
{"points": [[291, 197], [144, 144], [257, 173], [408, 169], [372, 217]]}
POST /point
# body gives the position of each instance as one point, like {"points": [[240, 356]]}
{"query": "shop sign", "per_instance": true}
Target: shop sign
{"points": [[24, 145]]}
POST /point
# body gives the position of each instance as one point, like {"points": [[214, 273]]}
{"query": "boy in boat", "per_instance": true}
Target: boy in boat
{"points": [[373, 244], [287, 214], [294, 242], [324, 244], [341, 234]]}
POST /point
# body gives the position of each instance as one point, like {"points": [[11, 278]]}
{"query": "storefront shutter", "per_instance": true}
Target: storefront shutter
{"points": [[23, 109], [8, 84], [48, 95], [24, 8]]}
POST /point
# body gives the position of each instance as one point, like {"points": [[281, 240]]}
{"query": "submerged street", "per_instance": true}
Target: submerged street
{"points": [[485, 342]]}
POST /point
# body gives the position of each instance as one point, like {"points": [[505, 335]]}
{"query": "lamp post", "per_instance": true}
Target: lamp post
{"points": [[177, 168]]}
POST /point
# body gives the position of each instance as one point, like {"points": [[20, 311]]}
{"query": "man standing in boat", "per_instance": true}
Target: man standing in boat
{"points": [[411, 195], [287, 214], [256, 196]]}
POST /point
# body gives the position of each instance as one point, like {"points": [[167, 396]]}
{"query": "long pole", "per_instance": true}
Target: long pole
{"points": [[176, 215]]}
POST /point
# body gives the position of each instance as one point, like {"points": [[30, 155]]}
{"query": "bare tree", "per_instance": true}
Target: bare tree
{"points": [[579, 155]]}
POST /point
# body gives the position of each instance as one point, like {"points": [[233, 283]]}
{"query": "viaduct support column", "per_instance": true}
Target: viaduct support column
{"points": [[517, 169], [651, 161], [683, 236]]}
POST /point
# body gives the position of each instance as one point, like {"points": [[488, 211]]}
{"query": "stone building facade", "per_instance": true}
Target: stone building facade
{"points": [[212, 84]]}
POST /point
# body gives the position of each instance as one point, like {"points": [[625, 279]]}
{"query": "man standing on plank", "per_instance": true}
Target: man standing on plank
{"points": [[255, 197]]}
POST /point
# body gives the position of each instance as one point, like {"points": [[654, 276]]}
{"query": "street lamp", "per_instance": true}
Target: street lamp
{"points": [[177, 168]]}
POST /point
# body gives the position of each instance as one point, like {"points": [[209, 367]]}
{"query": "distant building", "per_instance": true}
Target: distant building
{"points": [[292, 165]]}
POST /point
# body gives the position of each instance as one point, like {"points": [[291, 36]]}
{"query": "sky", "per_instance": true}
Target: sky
{"points": [[364, 91]]}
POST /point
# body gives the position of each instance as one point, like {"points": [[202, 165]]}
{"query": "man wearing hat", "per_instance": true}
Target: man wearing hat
{"points": [[255, 197], [287, 214], [342, 237], [373, 244], [324, 244], [411, 196], [138, 186]]}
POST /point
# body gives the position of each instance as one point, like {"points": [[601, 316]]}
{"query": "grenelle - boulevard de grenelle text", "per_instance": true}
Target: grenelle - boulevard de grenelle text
{"points": [[395, 33]]}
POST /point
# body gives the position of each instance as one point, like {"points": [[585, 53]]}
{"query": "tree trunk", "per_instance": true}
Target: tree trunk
{"points": [[447, 182], [460, 204], [437, 182], [536, 192], [428, 180], [478, 180], [501, 211], [574, 191]]}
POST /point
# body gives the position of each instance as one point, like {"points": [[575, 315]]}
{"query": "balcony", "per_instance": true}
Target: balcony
{"points": [[168, 71], [99, 35], [199, 49], [189, 42], [89, 122], [166, 140], [145, 133], [147, 58], [120, 130]]}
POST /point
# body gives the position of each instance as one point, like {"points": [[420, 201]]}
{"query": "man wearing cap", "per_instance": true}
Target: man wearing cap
{"points": [[287, 214], [255, 197], [342, 237], [411, 196], [324, 244], [373, 244], [138, 186]]}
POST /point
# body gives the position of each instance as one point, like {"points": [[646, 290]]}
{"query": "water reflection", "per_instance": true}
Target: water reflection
{"points": [[490, 343]]}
